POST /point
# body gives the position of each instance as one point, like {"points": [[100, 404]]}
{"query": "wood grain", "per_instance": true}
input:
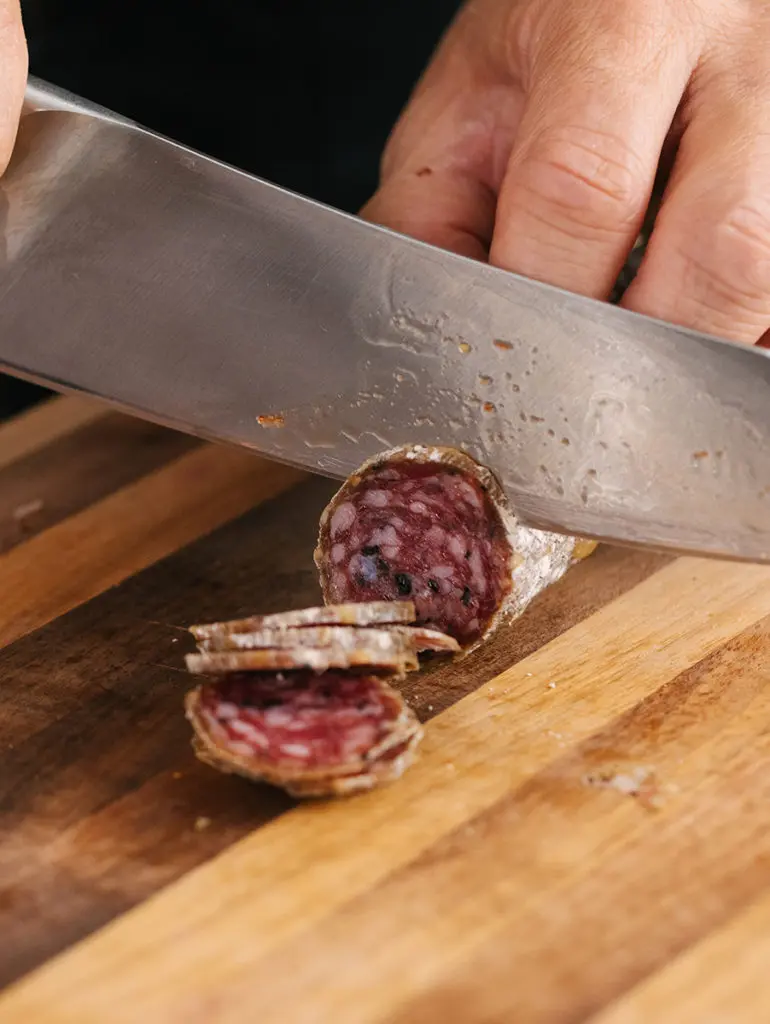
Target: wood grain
{"points": [[132, 528], [510, 876], [443, 876], [72, 792], [75, 470], [721, 979], [51, 420]]}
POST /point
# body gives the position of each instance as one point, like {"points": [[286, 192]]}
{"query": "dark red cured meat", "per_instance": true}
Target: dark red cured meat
{"points": [[301, 721], [424, 530]]}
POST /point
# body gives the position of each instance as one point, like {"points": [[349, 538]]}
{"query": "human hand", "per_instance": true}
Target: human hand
{"points": [[535, 135], [13, 76]]}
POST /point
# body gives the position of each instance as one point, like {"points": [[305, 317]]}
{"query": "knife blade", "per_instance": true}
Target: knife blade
{"points": [[187, 292]]}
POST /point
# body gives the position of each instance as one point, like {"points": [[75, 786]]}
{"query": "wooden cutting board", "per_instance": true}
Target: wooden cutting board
{"points": [[586, 835]]}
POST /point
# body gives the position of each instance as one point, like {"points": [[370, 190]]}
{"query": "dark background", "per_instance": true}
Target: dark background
{"points": [[303, 94]]}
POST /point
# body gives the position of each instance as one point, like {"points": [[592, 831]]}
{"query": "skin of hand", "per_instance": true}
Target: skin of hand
{"points": [[536, 133], [13, 76]]}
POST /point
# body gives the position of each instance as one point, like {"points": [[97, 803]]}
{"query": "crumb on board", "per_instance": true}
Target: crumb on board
{"points": [[638, 782], [274, 420], [29, 508], [201, 824]]}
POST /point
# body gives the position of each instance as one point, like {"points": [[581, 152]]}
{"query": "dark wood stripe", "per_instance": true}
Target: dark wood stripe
{"points": [[92, 733], [73, 472]]}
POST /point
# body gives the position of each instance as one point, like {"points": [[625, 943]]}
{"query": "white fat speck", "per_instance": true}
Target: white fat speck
{"points": [[473, 625], [213, 725], [435, 535], [227, 710], [296, 749], [296, 725], [389, 536], [338, 553], [375, 499], [343, 518], [250, 734], [469, 494], [442, 572], [276, 718], [457, 547], [419, 507], [391, 550], [477, 570], [398, 524]]}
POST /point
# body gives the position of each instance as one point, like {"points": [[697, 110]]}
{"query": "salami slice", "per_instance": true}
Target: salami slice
{"points": [[373, 613], [433, 526], [394, 656], [329, 734], [416, 638]]}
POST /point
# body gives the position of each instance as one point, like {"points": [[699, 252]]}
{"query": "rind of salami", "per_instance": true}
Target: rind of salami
{"points": [[435, 523], [371, 613], [377, 742], [395, 657], [415, 638]]}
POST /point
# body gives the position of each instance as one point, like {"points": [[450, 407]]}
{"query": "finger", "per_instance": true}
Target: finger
{"points": [[605, 86], [707, 264], [444, 162], [13, 76], [445, 206]]}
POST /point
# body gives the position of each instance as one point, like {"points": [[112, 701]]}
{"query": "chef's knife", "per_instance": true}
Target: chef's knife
{"points": [[195, 295]]}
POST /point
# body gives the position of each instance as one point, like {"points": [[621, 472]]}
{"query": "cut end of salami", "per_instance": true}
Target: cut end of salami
{"points": [[433, 526], [428, 524], [313, 734]]}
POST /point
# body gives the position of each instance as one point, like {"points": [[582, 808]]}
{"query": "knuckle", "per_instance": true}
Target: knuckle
{"points": [[591, 178], [734, 260]]}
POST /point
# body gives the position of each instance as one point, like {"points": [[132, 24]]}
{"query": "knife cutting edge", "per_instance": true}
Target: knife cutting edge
{"points": [[187, 292]]}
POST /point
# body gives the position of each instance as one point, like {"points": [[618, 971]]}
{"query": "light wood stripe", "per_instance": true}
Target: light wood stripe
{"points": [[206, 934], [54, 418], [138, 525], [722, 980]]}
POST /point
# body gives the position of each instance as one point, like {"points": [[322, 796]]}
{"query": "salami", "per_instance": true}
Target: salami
{"points": [[416, 638], [433, 526], [373, 613], [313, 734], [395, 656]]}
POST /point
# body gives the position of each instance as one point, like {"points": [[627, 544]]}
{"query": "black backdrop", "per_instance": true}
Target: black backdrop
{"points": [[301, 93]]}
